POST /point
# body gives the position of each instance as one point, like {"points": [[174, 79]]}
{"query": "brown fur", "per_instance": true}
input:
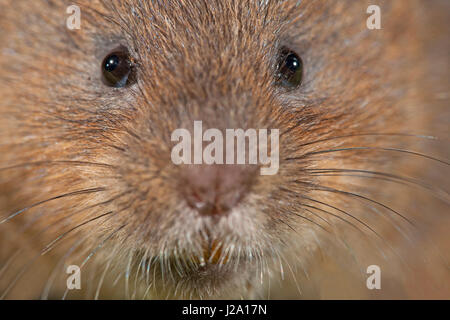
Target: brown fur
{"points": [[92, 163]]}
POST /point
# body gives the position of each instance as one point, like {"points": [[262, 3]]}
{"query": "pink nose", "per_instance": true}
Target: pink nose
{"points": [[216, 189]]}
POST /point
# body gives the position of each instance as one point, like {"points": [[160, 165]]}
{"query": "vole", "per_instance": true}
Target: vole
{"points": [[87, 180]]}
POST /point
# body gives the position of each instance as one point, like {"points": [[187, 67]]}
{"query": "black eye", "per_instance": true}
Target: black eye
{"points": [[117, 68], [290, 69]]}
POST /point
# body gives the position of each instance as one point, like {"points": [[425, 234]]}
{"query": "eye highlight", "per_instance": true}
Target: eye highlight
{"points": [[289, 69], [117, 68]]}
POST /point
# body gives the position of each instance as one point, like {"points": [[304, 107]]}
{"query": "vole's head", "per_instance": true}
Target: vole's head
{"points": [[89, 123]]}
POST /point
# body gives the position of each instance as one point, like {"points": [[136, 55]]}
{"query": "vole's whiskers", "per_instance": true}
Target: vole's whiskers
{"points": [[435, 191], [62, 260], [95, 250], [343, 149], [375, 134], [69, 194], [59, 238], [57, 162], [50, 246], [318, 187]]}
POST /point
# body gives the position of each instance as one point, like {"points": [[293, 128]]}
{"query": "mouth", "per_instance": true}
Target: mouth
{"points": [[213, 254], [216, 261], [212, 261]]}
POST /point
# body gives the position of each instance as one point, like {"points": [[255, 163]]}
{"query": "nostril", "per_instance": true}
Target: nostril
{"points": [[209, 203], [212, 209], [214, 189]]}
